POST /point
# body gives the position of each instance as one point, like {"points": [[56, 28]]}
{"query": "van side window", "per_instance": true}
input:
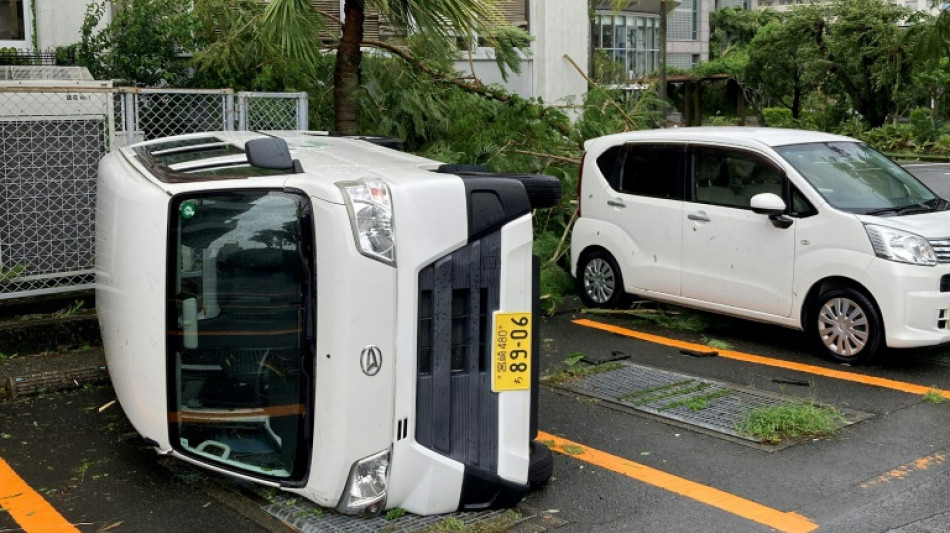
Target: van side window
{"points": [[800, 206], [731, 178], [652, 170]]}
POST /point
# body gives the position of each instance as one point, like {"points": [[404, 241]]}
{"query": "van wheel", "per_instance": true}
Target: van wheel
{"points": [[846, 325], [599, 281], [540, 465], [543, 191]]}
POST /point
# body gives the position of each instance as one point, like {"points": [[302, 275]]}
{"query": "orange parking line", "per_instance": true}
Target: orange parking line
{"points": [[918, 465], [759, 360], [786, 522], [27, 507]]}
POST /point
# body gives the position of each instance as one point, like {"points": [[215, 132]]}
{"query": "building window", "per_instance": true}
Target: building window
{"points": [[683, 22], [630, 43], [15, 23], [682, 61]]}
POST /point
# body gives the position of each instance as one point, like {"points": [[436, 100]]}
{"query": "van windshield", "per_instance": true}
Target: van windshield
{"points": [[240, 337], [853, 177]]}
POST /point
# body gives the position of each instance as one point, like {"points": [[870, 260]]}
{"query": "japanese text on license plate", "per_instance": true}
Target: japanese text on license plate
{"points": [[511, 352]]}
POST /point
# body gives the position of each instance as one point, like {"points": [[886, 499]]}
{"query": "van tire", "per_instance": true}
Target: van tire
{"points": [[599, 281], [846, 325], [543, 191], [540, 465]]}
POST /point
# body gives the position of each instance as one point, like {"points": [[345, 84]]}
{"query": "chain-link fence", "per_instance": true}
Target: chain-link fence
{"points": [[272, 111], [51, 141]]}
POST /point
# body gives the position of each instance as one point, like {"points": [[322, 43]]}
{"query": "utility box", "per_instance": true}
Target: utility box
{"points": [[327, 316]]}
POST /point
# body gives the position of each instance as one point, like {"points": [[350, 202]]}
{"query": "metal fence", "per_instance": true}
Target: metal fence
{"points": [[51, 141]]}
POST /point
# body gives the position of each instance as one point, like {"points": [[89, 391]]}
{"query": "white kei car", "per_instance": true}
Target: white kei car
{"points": [[325, 315], [803, 229]]}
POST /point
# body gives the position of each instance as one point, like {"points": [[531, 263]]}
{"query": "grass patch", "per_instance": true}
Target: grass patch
{"points": [[662, 395], [498, 524], [395, 513], [791, 421], [934, 395], [573, 449], [651, 390], [718, 344], [575, 373], [697, 403]]}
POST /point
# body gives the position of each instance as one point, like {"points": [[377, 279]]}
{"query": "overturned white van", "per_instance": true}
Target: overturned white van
{"points": [[325, 315]]}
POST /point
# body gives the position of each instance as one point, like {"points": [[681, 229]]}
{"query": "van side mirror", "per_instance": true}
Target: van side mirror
{"points": [[772, 205], [271, 152]]}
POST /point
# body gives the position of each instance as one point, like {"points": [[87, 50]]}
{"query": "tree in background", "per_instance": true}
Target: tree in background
{"points": [[143, 45], [733, 27], [233, 52], [860, 44], [436, 26], [779, 57]]}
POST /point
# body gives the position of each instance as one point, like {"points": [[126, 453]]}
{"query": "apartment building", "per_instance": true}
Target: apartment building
{"points": [[41, 24]]}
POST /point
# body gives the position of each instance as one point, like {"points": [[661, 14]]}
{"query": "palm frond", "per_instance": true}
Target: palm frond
{"points": [[294, 26]]}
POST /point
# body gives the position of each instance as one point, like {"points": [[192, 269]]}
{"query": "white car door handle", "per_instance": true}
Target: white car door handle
{"points": [[616, 203], [699, 217]]}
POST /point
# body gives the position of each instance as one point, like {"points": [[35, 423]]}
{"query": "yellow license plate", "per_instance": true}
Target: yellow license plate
{"points": [[511, 352]]}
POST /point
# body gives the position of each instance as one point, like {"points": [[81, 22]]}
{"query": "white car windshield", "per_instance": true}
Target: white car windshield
{"points": [[853, 177]]}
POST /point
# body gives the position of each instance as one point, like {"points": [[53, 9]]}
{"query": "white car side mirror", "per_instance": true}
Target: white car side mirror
{"points": [[767, 204]]}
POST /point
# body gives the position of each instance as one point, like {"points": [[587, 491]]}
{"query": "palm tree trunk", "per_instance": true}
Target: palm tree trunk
{"points": [[346, 74]]}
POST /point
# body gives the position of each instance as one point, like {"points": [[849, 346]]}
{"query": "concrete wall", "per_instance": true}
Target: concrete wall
{"points": [[58, 22], [560, 27]]}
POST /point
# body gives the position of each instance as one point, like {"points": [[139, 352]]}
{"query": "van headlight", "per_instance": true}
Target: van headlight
{"points": [[365, 491], [370, 207], [900, 246]]}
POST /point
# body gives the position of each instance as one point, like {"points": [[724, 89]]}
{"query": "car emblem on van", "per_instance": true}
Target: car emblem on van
{"points": [[371, 360]]}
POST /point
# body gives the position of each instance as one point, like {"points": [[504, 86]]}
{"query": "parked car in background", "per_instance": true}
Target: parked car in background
{"points": [[325, 315], [803, 229]]}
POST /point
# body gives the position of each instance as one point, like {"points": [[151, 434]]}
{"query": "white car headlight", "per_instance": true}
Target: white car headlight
{"points": [[365, 491], [897, 245], [371, 215]]}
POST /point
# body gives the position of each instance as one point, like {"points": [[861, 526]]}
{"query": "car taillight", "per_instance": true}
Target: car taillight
{"points": [[580, 176]]}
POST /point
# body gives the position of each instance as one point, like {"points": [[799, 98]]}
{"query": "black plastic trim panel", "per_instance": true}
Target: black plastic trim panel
{"points": [[492, 203], [483, 490]]}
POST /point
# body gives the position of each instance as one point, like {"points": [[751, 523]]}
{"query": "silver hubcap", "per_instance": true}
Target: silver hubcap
{"points": [[843, 326], [599, 281]]}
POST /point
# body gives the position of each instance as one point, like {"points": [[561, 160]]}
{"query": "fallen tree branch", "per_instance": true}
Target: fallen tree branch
{"points": [[562, 159], [630, 122], [476, 88]]}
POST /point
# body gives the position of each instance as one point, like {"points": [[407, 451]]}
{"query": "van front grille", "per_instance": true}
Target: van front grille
{"points": [[941, 249], [456, 411]]}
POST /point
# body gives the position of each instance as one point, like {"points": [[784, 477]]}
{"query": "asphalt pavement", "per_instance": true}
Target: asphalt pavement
{"points": [[91, 467], [887, 473]]}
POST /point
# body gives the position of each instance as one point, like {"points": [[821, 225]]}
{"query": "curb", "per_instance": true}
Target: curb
{"points": [[12, 388]]}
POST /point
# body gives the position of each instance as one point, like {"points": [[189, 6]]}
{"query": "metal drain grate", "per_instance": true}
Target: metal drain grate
{"points": [[307, 517], [711, 405]]}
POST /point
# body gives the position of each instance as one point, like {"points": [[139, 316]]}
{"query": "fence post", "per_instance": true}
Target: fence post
{"points": [[130, 113], [229, 112], [303, 113], [242, 111]]}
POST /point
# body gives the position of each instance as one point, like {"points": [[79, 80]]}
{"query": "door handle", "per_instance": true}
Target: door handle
{"points": [[699, 217], [616, 203]]}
